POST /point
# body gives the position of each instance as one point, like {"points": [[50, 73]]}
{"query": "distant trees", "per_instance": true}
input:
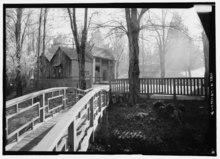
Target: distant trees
{"points": [[16, 24], [118, 47]]}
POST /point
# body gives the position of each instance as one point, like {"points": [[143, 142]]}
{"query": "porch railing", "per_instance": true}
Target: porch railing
{"points": [[166, 86]]}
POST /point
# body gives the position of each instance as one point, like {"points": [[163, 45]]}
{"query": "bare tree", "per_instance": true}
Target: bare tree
{"points": [[39, 45], [161, 38], [133, 28], [17, 30], [79, 43], [44, 33]]}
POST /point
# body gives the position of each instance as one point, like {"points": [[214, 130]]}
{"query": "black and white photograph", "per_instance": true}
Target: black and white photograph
{"points": [[109, 78]]}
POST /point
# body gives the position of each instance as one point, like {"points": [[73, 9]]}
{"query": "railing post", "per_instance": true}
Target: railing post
{"points": [[100, 101], [91, 81], [76, 98], [174, 89], [64, 99], [72, 137], [43, 109], [91, 116]]}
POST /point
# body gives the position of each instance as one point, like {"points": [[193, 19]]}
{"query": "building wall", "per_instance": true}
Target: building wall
{"points": [[104, 73], [75, 68], [66, 63]]}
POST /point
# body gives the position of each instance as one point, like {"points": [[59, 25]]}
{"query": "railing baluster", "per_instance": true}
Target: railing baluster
{"points": [[154, 85], [148, 90], [72, 137], [174, 88], [157, 91], [166, 85]]}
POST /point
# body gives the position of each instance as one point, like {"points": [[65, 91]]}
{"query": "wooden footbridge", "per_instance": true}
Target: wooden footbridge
{"points": [[56, 119], [65, 119]]}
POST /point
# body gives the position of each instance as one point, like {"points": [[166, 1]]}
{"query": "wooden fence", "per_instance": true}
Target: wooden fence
{"points": [[25, 112], [73, 131], [166, 86]]}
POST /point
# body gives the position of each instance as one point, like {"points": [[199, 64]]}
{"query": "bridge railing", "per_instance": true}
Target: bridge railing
{"points": [[26, 112], [167, 86], [74, 131]]}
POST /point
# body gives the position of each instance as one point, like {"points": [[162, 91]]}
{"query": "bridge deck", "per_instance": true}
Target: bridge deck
{"points": [[34, 137]]}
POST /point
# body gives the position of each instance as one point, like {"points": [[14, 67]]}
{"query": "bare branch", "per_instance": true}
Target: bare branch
{"points": [[143, 10]]}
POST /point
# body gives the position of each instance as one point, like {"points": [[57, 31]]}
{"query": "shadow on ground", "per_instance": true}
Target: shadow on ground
{"points": [[143, 129]]}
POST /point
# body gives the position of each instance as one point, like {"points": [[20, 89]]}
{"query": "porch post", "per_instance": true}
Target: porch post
{"points": [[109, 70], [100, 70], [115, 69], [93, 70]]}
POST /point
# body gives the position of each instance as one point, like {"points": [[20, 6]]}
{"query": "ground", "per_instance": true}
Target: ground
{"points": [[142, 129]]}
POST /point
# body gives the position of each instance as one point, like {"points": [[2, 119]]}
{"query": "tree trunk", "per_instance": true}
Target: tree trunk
{"points": [[162, 64], [80, 47], [117, 65], [133, 26], [206, 54], [189, 73], [44, 69], [134, 71], [18, 52], [38, 48], [81, 61]]}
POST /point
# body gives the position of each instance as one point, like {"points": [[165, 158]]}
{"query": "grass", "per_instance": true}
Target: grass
{"points": [[164, 134]]}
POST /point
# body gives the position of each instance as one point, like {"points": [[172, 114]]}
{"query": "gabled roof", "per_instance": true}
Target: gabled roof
{"points": [[102, 53], [69, 52]]}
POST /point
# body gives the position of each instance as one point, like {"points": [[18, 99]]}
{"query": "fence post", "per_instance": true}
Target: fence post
{"points": [[174, 89]]}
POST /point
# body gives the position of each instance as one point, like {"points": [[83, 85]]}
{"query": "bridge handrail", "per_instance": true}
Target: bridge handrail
{"points": [[69, 122], [31, 95], [33, 112]]}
